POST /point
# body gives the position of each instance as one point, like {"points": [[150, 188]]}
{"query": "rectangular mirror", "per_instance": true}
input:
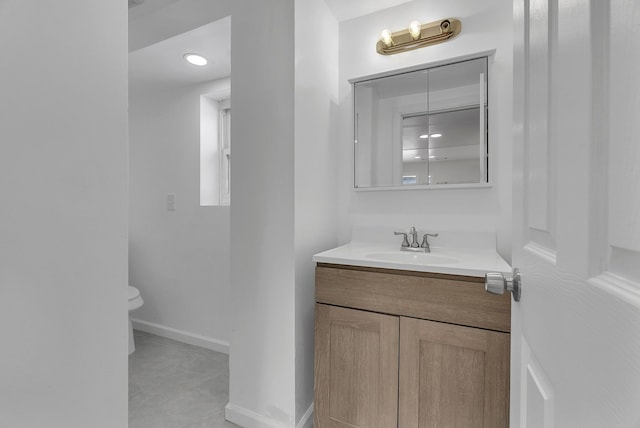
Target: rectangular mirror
{"points": [[422, 128]]}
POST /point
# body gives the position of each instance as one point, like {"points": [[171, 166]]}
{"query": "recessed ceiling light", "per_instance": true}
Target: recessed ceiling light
{"points": [[195, 59], [436, 135]]}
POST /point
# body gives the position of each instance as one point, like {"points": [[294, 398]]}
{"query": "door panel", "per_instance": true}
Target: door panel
{"points": [[539, 203], [452, 376], [356, 369], [576, 331], [539, 393], [624, 150]]}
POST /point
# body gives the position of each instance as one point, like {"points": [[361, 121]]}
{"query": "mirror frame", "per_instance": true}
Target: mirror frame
{"points": [[483, 54]]}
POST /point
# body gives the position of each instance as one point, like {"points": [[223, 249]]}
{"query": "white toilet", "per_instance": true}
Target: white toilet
{"points": [[135, 301]]}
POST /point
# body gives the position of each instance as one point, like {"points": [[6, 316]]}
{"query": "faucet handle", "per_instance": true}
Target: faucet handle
{"points": [[405, 241], [425, 242]]}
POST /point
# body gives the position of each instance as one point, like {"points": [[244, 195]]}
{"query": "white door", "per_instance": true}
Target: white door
{"points": [[576, 330]]}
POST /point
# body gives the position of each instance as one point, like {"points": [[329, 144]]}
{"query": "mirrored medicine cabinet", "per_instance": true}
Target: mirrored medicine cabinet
{"points": [[422, 128]]}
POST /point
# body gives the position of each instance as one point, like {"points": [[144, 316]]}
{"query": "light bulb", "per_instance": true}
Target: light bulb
{"points": [[415, 29], [386, 38]]}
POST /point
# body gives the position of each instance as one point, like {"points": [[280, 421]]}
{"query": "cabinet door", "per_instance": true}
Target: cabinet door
{"points": [[356, 369], [452, 376]]}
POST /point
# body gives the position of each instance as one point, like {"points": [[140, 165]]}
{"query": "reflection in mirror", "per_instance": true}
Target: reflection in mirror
{"points": [[422, 128], [442, 147]]}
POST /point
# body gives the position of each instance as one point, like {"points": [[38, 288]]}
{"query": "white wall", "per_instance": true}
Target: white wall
{"points": [[63, 223], [283, 203], [485, 25], [180, 260], [316, 142], [262, 361]]}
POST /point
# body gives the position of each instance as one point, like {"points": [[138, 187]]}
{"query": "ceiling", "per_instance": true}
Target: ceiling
{"points": [[348, 9], [342, 9], [163, 63], [138, 8]]}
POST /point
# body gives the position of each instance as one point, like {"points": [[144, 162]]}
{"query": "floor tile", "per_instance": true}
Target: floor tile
{"points": [[175, 385]]}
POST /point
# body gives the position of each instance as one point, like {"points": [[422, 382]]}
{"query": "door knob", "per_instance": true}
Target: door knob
{"points": [[496, 283]]}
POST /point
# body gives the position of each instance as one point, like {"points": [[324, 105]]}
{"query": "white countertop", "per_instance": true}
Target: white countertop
{"points": [[447, 260]]}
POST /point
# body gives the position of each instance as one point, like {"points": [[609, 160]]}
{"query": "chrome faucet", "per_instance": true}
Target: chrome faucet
{"points": [[414, 246], [414, 237]]}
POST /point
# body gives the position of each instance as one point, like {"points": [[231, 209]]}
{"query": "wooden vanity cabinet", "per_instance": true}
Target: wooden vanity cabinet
{"points": [[409, 350]]}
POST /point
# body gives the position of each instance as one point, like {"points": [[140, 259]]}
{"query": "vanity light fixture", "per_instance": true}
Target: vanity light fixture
{"points": [[195, 59], [418, 36]]}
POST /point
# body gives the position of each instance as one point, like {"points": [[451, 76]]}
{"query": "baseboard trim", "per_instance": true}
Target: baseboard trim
{"points": [[181, 336], [307, 419], [249, 419]]}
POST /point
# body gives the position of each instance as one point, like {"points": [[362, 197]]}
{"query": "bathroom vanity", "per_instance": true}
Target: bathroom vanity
{"points": [[404, 341]]}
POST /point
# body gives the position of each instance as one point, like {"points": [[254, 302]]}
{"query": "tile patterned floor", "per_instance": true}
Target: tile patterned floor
{"points": [[175, 385]]}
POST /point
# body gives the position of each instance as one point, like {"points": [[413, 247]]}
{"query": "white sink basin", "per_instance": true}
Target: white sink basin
{"points": [[447, 260], [412, 258]]}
